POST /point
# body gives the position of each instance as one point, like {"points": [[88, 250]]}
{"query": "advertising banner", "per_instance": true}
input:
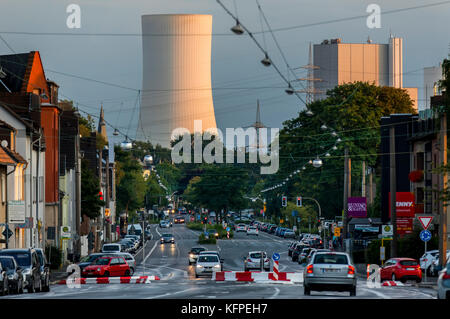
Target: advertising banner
{"points": [[404, 204], [357, 207]]}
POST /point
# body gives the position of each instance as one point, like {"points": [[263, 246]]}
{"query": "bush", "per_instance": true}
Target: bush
{"points": [[203, 240], [54, 256]]}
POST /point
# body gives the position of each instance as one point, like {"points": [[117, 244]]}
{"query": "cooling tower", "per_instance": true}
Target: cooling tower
{"points": [[176, 84]]}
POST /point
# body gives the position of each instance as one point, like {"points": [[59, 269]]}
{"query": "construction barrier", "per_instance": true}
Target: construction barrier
{"points": [[111, 280], [257, 276]]}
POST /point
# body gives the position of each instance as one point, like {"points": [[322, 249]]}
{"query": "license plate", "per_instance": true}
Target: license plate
{"points": [[330, 270], [410, 269]]}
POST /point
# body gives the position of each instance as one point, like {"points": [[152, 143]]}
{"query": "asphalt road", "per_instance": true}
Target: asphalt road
{"points": [[178, 281]]}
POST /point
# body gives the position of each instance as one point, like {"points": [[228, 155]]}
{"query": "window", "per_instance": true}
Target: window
{"points": [[3, 187], [419, 195], [420, 161], [330, 259], [41, 188]]}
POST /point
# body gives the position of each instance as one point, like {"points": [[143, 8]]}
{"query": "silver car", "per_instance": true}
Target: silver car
{"points": [[167, 238], [207, 264], [253, 261], [330, 271], [444, 283]]}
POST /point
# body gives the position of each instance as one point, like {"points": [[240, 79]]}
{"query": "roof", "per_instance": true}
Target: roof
{"points": [[15, 67], [5, 158], [11, 157]]}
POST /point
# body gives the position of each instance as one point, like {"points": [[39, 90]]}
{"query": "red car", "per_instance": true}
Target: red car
{"points": [[106, 267], [402, 269]]}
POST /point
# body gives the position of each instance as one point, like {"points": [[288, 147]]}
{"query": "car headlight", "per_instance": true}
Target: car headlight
{"points": [[11, 277], [216, 266], [191, 255], [199, 266]]}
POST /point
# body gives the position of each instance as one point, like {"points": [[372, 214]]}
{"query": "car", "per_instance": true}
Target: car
{"points": [[179, 220], [128, 258], [297, 251], [28, 260], [213, 233], [106, 267], [14, 274], [167, 238], [193, 254], [427, 259], [302, 257], [45, 270], [87, 260], [137, 239], [402, 269], [241, 227], [206, 264], [333, 271], [443, 283], [289, 233], [252, 231], [435, 267], [291, 247], [313, 251], [111, 248], [134, 242], [211, 252], [164, 224], [148, 235], [271, 229], [253, 261], [4, 284], [126, 245]]}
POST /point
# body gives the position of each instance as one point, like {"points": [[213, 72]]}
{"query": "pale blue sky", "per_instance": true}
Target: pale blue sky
{"points": [[235, 60]]}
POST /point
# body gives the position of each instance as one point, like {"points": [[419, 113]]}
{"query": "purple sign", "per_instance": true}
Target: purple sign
{"points": [[357, 207]]}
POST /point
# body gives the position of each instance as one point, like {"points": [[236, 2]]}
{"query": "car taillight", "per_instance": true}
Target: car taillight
{"points": [[446, 276], [309, 269], [351, 270], [249, 260]]}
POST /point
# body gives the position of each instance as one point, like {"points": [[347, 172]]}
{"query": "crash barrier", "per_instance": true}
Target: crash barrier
{"points": [[110, 280], [257, 276]]}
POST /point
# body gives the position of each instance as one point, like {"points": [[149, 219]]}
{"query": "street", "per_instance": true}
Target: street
{"points": [[177, 278]]}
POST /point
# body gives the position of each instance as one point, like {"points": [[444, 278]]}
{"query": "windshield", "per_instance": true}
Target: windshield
{"points": [[330, 259], [7, 263], [111, 248], [101, 261], [40, 257], [167, 235], [208, 259], [23, 259], [408, 263], [197, 250], [256, 255]]}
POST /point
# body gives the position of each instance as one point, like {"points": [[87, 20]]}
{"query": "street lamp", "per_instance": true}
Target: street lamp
{"points": [[266, 61], [237, 29], [317, 162]]}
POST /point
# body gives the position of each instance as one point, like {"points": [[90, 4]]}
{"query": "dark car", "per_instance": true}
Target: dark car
{"points": [[179, 220], [297, 251], [28, 260], [13, 272], [45, 270], [4, 285]]}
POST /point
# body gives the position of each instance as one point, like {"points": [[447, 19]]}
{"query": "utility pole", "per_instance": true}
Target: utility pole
{"points": [[347, 190], [393, 190], [443, 211], [363, 182], [77, 243], [371, 186]]}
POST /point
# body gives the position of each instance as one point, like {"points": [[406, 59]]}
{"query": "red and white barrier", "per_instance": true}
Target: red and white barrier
{"points": [[392, 283], [111, 280], [257, 276], [275, 270]]}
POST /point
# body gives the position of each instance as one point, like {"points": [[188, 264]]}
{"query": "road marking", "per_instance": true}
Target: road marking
{"points": [[277, 291], [375, 292], [171, 293]]}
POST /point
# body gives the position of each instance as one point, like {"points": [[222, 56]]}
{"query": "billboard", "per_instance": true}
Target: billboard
{"points": [[357, 207], [404, 204]]}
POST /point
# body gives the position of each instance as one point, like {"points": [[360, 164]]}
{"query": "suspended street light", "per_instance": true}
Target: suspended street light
{"points": [[334, 148], [324, 127], [309, 113], [334, 134], [289, 90], [327, 155], [237, 29], [317, 162], [115, 132], [266, 61]]}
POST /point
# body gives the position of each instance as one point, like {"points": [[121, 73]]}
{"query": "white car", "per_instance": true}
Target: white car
{"points": [[111, 248], [427, 259], [444, 283], [252, 231], [207, 264], [253, 261], [434, 267], [241, 227]]}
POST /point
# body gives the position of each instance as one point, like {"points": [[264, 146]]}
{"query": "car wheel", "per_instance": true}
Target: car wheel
{"points": [[132, 271], [353, 292], [30, 288], [196, 276], [306, 291], [2, 293], [127, 273]]}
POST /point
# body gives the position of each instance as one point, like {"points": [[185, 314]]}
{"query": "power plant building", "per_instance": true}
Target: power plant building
{"points": [[176, 86]]}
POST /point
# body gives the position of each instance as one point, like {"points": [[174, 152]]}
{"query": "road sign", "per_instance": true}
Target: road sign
{"points": [[387, 231], [337, 231], [10, 233], [228, 228], [425, 235], [16, 211], [107, 212], [425, 221], [276, 256], [382, 253], [294, 213]]}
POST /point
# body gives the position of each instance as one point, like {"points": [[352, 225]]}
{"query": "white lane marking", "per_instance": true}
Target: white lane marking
{"points": [[375, 292], [277, 291], [151, 251], [171, 293]]}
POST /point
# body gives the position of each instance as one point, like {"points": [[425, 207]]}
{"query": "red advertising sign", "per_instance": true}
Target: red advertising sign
{"points": [[404, 204], [404, 225]]}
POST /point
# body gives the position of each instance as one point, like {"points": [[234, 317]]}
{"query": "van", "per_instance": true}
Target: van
{"points": [[111, 248]]}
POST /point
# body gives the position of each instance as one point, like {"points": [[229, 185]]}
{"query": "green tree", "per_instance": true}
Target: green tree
{"points": [[90, 203]]}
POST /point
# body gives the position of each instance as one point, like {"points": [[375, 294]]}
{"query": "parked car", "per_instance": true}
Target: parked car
{"points": [[443, 283], [111, 248], [252, 231], [148, 235], [289, 233], [402, 269], [4, 284], [128, 258], [87, 260], [167, 238], [207, 264], [435, 267], [330, 271], [126, 246], [271, 229], [106, 267], [28, 260], [297, 251], [45, 270], [253, 261], [427, 259], [14, 274], [193, 254], [291, 247], [136, 238]]}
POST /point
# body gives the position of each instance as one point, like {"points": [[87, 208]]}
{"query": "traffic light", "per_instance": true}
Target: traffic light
{"points": [[205, 220], [284, 201], [100, 195], [319, 222], [299, 201]]}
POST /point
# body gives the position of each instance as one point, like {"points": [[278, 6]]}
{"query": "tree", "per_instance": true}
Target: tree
{"points": [[90, 203], [351, 110]]}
